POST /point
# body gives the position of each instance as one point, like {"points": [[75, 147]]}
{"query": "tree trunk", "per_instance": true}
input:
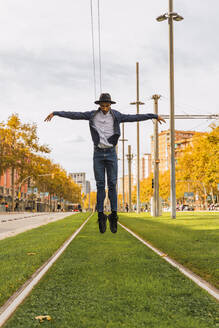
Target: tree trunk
{"points": [[206, 203], [49, 202], [212, 196], [12, 185]]}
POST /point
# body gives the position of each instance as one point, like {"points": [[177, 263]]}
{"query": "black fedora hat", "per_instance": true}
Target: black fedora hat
{"points": [[105, 97]]}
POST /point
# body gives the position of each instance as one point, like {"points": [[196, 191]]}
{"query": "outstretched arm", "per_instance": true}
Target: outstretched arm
{"points": [[140, 117], [49, 117], [161, 119], [70, 115]]}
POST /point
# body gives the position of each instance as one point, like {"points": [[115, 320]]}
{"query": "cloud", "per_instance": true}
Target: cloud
{"points": [[77, 139], [49, 67], [46, 64]]}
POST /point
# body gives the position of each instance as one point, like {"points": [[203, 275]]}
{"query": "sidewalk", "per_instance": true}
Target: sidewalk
{"points": [[19, 222]]}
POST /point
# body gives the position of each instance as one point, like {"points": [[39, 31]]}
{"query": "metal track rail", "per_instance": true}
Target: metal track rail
{"points": [[17, 298], [213, 291]]}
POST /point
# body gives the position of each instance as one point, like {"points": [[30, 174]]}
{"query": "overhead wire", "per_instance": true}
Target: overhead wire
{"points": [[191, 109], [100, 61], [93, 48]]}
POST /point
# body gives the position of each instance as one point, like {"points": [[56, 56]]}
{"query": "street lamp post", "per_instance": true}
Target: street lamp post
{"points": [[171, 16]]}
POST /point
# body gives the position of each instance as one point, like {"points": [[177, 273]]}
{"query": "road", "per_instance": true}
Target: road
{"points": [[13, 224]]}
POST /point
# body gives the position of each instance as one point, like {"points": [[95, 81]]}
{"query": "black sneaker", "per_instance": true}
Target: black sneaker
{"points": [[102, 218], [113, 218]]}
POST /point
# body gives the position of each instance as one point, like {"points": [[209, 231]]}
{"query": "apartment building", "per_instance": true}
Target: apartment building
{"points": [[182, 140], [80, 179]]}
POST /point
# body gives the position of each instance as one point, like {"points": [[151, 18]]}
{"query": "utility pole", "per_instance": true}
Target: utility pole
{"points": [[117, 191], [137, 103], [130, 158], [123, 166], [170, 17], [156, 158], [117, 180]]}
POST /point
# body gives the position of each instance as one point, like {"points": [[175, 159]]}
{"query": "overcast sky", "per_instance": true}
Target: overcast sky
{"points": [[46, 65]]}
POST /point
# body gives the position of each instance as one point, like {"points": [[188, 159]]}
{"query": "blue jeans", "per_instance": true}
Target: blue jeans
{"points": [[105, 162]]}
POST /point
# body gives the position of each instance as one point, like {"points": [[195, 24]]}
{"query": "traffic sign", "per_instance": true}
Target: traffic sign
{"points": [[188, 194]]}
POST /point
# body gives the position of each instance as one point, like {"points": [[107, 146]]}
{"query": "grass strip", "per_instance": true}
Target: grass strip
{"points": [[191, 239], [40, 243], [112, 280]]}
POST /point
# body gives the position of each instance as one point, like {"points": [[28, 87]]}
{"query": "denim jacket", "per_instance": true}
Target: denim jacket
{"points": [[117, 116]]}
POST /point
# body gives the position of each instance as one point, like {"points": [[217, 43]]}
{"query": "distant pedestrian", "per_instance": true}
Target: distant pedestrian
{"points": [[105, 132], [16, 207], [126, 207], [79, 208], [6, 207]]}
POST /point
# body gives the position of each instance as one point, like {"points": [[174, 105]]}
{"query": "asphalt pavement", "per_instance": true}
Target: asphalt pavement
{"points": [[15, 223]]}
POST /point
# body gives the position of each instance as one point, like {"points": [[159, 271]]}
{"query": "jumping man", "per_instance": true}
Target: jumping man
{"points": [[105, 132]]}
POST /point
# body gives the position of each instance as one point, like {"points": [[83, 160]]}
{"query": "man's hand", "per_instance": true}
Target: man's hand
{"points": [[161, 119], [49, 117]]}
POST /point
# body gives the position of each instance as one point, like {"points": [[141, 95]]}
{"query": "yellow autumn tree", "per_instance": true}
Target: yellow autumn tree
{"points": [[93, 200], [18, 141], [199, 164]]}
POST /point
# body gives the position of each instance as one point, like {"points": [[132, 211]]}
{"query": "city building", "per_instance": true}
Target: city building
{"points": [[182, 140], [145, 167], [20, 192], [80, 179], [126, 186], [88, 187], [6, 184]]}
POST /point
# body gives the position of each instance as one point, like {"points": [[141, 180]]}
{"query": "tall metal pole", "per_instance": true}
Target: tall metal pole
{"points": [[130, 157], [138, 143], [123, 165], [172, 121], [123, 169], [118, 204], [137, 103], [156, 158], [171, 16]]}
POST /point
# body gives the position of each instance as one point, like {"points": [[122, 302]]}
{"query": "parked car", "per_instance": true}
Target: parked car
{"points": [[215, 207], [187, 208]]}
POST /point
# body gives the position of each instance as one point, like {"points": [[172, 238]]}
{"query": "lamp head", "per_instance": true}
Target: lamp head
{"points": [[178, 18], [162, 18]]}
